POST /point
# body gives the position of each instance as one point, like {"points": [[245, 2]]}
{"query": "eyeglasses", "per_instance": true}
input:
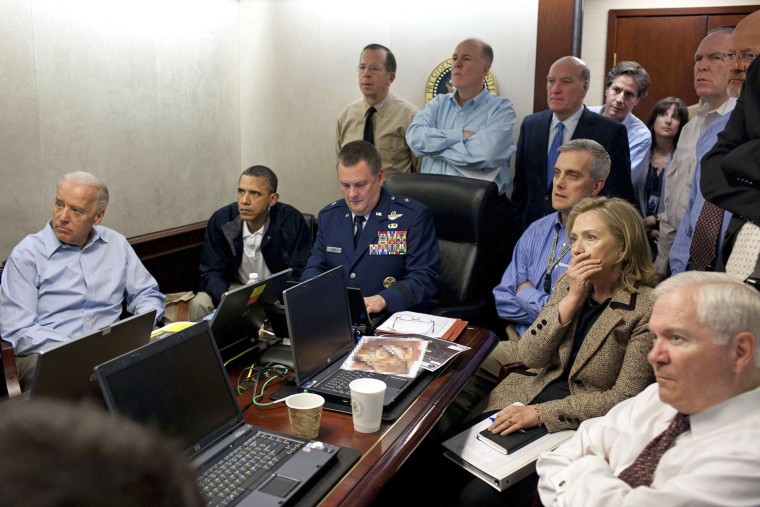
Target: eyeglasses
{"points": [[746, 58], [715, 57], [373, 69]]}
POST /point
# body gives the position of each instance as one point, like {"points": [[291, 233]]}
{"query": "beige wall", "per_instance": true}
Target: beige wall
{"points": [[145, 94]]}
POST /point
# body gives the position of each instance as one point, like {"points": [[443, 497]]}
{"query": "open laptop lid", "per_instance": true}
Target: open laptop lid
{"points": [[66, 370], [241, 312], [177, 385], [319, 323]]}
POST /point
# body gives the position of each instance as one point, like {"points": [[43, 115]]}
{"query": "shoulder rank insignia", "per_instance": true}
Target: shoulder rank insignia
{"points": [[394, 216]]}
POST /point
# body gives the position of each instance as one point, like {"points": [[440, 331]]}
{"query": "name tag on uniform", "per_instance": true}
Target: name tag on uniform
{"points": [[389, 243], [334, 249]]}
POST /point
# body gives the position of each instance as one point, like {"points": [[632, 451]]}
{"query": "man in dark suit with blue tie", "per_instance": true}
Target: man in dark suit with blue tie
{"points": [[386, 244], [541, 134]]}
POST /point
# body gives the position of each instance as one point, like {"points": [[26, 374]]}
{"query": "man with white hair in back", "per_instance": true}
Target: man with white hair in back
{"points": [[71, 278], [691, 438]]}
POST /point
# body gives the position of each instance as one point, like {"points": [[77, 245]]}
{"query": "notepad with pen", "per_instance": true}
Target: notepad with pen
{"points": [[506, 444]]}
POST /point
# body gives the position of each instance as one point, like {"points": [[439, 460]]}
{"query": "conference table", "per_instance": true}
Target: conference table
{"points": [[383, 452]]}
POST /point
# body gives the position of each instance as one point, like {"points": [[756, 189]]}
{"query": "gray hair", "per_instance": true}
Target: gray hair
{"points": [[90, 180], [633, 70], [600, 165], [723, 304]]}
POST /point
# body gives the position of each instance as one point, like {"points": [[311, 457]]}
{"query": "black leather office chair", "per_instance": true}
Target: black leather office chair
{"points": [[475, 236]]}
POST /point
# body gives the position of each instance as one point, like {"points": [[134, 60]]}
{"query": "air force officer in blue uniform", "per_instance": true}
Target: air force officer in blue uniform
{"points": [[395, 262]]}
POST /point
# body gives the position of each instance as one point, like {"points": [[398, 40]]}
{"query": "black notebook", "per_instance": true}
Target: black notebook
{"points": [[510, 443]]}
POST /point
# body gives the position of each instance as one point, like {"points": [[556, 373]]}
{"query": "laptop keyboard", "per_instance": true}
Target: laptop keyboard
{"points": [[338, 382], [245, 467]]}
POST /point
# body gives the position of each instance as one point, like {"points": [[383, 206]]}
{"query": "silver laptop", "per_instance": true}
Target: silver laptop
{"points": [[66, 370]]}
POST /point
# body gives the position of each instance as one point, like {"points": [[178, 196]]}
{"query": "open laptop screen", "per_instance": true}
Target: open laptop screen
{"points": [[177, 385], [319, 323]]}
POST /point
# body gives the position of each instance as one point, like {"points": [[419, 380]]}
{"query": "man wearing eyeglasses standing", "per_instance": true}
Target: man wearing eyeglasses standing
{"points": [[711, 69], [731, 173], [379, 117]]}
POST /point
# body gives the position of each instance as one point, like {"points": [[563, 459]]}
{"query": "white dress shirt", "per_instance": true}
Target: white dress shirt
{"points": [[716, 463]]}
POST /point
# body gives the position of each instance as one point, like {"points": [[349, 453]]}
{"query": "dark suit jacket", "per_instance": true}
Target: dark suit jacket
{"points": [[731, 170], [610, 367], [531, 196], [406, 280]]}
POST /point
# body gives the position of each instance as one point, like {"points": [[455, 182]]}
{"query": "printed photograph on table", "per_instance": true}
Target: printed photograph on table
{"points": [[394, 356]]}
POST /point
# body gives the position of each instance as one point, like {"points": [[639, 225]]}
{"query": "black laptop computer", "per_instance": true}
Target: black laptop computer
{"points": [[66, 370], [321, 338], [242, 312], [179, 386]]}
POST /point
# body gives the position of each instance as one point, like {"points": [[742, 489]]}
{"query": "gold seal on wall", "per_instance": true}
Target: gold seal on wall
{"points": [[440, 81]]}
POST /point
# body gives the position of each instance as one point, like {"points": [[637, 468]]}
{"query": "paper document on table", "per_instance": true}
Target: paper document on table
{"points": [[389, 355], [412, 323], [440, 352]]}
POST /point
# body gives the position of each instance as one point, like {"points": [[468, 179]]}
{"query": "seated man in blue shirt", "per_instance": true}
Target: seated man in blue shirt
{"points": [[542, 255], [386, 244], [72, 277], [468, 132], [257, 234]]}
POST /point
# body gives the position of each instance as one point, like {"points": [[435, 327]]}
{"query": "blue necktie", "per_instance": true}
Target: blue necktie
{"points": [[552, 159]]}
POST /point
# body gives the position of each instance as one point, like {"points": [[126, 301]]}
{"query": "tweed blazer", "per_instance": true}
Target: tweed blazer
{"points": [[611, 364]]}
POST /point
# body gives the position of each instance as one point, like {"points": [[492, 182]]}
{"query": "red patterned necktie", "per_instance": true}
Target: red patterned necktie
{"points": [[641, 471], [705, 238]]}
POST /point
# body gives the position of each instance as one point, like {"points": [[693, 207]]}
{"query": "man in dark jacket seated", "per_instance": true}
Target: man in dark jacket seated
{"points": [[256, 234]]}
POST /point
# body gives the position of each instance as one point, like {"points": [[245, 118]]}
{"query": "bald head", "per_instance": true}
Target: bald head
{"points": [[566, 86]]}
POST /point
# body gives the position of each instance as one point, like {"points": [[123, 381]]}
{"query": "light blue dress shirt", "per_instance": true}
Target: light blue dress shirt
{"points": [[680, 251], [436, 135], [52, 292], [529, 263]]}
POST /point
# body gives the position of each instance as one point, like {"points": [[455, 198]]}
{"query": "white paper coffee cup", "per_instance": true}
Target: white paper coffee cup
{"points": [[367, 396]]}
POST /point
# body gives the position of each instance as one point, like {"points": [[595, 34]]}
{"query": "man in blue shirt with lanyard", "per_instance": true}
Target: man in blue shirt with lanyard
{"points": [[542, 255]]}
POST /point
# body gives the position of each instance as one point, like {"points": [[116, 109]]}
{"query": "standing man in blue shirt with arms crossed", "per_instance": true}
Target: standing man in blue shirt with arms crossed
{"points": [[72, 277], [468, 132], [385, 243]]}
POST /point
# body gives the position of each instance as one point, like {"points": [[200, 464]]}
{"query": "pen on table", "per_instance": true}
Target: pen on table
{"points": [[493, 419]]}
